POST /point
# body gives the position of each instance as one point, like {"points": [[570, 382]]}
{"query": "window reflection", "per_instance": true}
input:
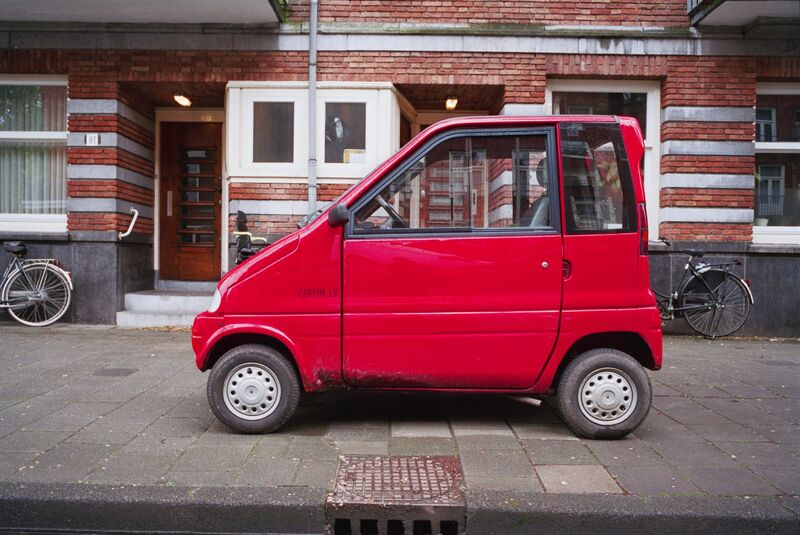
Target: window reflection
{"points": [[467, 183], [345, 132]]}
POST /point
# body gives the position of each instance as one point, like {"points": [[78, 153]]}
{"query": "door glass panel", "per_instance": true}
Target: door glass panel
{"points": [[197, 239], [273, 132], [467, 183], [198, 182], [198, 168], [197, 196], [207, 211], [598, 194], [345, 132]]}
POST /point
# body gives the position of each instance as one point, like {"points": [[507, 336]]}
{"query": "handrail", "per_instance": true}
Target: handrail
{"points": [[135, 213]]}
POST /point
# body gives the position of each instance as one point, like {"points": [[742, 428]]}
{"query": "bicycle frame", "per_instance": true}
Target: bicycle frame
{"points": [[691, 271]]}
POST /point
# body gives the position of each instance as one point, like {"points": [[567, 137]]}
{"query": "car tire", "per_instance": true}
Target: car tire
{"points": [[253, 389], [603, 393]]}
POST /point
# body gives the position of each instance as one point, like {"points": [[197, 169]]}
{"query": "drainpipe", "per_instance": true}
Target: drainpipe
{"points": [[312, 108]]}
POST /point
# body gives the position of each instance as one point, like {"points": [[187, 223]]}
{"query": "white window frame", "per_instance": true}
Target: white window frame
{"points": [[771, 122], [652, 137], [34, 223], [776, 234], [242, 102], [780, 179], [348, 170]]}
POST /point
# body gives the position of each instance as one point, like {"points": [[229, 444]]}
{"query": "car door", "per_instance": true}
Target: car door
{"points": [[601, 239], [452, 266]]}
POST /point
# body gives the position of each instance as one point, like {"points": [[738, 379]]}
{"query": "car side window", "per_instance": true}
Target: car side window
{"points": [[598, 194], [467, 183]]}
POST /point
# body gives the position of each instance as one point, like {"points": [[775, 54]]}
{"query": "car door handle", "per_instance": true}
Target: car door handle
{"points": [[566, 268]]}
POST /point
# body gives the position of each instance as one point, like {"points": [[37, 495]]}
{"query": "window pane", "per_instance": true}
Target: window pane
{"points": [[628, 104], [785, 126], [345, 132], [598, 194], [514, 179], [777, 200], [432, 193], [33, 108], [33, 178], [273, 132], [467, 182]]}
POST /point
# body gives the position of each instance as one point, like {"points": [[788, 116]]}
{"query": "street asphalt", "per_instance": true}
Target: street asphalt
{"points": [[106, 429]]}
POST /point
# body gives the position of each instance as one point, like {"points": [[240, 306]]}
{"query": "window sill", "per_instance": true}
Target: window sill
{"points": [[776, 235], [33, 223], [777, 147]]}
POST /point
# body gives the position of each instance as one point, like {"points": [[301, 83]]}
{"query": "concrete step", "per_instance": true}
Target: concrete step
{"points": [[126, 318], [168, 302], [187, 286]]}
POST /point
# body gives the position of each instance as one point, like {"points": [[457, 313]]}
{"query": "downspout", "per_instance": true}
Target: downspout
{"points": [[312, 108]]}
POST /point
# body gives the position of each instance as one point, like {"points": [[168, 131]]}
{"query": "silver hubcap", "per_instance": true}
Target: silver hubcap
{"points": [[252, 391], [607, 396]]}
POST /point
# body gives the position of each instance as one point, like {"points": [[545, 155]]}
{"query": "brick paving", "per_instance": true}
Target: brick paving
{"points": [[101, 405]]}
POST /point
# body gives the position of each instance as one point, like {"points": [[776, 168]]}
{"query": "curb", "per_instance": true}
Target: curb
{"points": [[70, 508], [510, 513], [148, 509]]}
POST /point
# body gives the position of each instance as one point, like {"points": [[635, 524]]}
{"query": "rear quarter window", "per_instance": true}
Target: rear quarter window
{"points": [[598, 193]]}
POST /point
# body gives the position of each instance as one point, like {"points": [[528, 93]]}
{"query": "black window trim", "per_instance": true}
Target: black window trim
{"points": [[549, 131]]}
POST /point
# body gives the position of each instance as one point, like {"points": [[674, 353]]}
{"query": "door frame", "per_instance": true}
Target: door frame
{"points": [[652, 137], [196, 115]]}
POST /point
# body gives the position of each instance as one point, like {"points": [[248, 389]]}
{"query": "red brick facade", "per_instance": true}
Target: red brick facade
{"points": [[686, 81], [671, 13]]}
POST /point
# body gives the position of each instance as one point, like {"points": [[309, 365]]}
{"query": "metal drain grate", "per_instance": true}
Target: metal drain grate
{"points": [[379, 495]]}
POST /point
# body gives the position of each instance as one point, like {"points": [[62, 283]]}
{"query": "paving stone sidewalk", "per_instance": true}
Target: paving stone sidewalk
{"points": [[100, 405]]}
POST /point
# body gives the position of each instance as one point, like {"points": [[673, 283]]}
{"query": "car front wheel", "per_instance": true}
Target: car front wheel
{"points": [[253, 389], [604, 393]]}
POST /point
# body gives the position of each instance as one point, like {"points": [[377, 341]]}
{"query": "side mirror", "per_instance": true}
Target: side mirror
{"points": [[339, 215]]}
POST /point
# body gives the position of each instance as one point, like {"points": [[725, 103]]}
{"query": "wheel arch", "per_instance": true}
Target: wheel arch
{"points": [[236, 339], [630, 343]]}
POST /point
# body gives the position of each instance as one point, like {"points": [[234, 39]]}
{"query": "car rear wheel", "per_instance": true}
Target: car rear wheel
{"points": [[604, 393], [253, 389]]}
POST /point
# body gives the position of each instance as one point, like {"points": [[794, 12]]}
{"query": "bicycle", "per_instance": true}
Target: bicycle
{"points": [[712, 300], [36, 292]]}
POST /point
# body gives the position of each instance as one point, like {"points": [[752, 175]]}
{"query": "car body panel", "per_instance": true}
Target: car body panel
{"points": [[384, 321]]}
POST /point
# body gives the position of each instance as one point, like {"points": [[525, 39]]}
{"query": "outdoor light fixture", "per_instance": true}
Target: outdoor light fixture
{"points": [[451, 103], [183, 100]]}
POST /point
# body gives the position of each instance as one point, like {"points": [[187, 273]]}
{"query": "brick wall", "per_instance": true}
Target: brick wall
{"points": [[670, 13], [686, 82], [265, 224], [523, 75], [706, 198], [102, 75]]}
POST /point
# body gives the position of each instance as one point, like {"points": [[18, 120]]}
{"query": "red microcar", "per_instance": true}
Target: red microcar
{"points": [[490, 254]]}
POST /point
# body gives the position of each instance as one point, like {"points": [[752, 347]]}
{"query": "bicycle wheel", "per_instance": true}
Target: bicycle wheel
{"points": [[720, 311], [39, 299]]}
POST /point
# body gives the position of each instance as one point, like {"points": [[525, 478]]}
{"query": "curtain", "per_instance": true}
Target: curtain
{"points": [[33, 173]]}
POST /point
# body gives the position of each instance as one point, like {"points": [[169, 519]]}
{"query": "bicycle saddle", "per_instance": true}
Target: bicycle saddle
{"points": [[15, 247], [693, 252]]}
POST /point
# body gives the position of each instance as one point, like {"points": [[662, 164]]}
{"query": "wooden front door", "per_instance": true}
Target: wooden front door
{"points": [[191, 199]]}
